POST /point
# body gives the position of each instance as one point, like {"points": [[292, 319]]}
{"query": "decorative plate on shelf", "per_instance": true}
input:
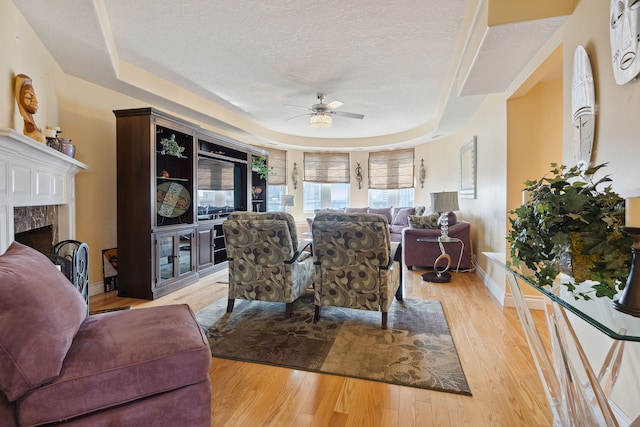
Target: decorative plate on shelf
{"points": [[173, 199]]}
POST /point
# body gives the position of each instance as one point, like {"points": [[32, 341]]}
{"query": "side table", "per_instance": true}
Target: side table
{"points": [[441, 276]]}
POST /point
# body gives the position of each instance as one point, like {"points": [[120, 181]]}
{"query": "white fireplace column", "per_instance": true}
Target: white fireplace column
{"points": [[32, 174]]}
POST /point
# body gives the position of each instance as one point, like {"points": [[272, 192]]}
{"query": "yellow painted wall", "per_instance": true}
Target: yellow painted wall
{"points": [[534, 141], [508, 11]]}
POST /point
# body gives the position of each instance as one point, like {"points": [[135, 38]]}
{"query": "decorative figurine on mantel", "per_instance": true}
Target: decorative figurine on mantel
{"points": [[28, 106]]}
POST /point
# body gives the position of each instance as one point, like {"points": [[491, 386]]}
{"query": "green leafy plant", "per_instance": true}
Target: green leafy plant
{"points": [[170, 146], [260, 166], [568, 218]]}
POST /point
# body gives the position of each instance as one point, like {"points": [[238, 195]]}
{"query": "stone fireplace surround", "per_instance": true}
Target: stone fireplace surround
{"points": [[33, 175]]}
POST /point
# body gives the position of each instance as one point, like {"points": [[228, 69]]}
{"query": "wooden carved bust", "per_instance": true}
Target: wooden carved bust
{"points": [[28, 106]]}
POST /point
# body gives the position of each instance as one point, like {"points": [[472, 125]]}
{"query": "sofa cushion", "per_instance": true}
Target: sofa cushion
{"points": [[402, 217], [40, 313], [357, 210], [383, 211], [119, 357], [396, 229], [426, 221], [315, 211]]}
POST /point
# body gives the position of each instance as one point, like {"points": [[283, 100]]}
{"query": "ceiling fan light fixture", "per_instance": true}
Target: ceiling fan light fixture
{"points": [[320, 120]]}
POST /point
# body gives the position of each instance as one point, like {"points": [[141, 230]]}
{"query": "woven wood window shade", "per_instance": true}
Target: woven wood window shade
{"points": [[278, 162], [391, 169], [215, 175], [326, 168]]}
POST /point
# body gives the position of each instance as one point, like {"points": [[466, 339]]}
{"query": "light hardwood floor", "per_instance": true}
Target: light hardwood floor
{"points": [[489, 339]]}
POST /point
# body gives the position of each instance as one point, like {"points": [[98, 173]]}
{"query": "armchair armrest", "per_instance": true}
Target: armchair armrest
{"points": [[392, 253], [302, 245]]}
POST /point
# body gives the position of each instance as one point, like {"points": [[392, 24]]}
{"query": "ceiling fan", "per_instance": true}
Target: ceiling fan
{"points": [[321, 114]]}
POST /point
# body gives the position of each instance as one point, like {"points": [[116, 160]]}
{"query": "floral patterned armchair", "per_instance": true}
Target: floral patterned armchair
{"points": [[265, 261], [353, 262]]}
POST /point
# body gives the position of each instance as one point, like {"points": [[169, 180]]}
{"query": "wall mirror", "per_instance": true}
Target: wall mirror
{"points": [[468, 170]]}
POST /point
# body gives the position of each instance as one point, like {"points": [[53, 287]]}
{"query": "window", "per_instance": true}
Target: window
{"points": [[326, 181], [274, 199], [318, 196], [384, 198], [391, 178], [391, 169], [278, 167], [277, 180]]}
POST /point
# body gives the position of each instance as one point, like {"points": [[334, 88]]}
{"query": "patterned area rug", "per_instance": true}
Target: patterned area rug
{"points": [[417, 350]]}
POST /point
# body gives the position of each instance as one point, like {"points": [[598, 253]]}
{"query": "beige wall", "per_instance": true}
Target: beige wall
{"points": [[84, 111]]}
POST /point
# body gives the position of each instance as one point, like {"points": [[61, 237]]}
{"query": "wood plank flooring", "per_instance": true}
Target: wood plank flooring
{"points": [[489, 339]]}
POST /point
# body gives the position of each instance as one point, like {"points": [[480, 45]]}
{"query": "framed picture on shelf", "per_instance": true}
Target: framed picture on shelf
{"points": [[110, 269]]}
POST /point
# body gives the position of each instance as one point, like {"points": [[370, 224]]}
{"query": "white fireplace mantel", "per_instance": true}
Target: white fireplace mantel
{"points": [[32, 174]]}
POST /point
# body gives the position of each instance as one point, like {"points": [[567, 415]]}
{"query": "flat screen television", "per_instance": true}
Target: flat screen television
{"points": [[216, 184]]}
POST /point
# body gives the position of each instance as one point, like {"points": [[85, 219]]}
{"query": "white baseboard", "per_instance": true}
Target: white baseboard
{"points": [[534, 302], [96, 288], [496, 291]]}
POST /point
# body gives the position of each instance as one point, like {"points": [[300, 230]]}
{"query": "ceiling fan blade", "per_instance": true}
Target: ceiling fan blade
{"points": [[333, 105], [299, 115], [351, 115], [297, 106]]}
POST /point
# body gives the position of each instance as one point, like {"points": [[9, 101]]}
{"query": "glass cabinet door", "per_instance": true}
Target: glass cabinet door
{"points": [[186, 243], [174, 255], [166, 257]]}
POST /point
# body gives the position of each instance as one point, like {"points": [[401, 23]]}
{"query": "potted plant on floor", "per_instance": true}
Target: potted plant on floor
{"points": [[571, 224]]}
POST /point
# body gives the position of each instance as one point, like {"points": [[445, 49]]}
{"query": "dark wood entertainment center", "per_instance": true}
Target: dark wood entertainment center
{"points": [[166, 240]]}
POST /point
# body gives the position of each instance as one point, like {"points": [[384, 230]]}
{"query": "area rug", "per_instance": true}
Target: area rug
{"points": [[416, 351], [108, 310]]}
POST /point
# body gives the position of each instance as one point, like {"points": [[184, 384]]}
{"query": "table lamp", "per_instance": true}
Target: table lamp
{"points": [[444, 202], [288, 200]]}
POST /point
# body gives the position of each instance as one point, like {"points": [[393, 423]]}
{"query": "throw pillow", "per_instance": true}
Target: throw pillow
{"points": [[356, 210], [427, 221], [383, 211], [418, 210], [452, 218], [402, 217], [41, 313]]}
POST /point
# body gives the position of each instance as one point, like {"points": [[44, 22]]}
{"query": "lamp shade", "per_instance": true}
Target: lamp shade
{"points": [[320, 120], [445, 201], [288, 200]]}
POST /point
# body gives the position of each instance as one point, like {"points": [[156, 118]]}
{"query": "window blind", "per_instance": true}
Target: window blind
{"points": [[391, 169], [278, 162], [326, 167], [215, 174]]}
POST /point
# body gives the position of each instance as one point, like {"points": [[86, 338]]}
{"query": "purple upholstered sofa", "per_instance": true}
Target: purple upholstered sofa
{"points": [[398, 218], [141, 367], [423, 254]]}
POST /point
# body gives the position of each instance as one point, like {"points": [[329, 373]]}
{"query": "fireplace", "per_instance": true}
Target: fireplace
{"points": [[37, 188], [40, 239]]}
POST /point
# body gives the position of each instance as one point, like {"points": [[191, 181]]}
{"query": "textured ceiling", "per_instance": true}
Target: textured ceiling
{"points": [[415, 69]]}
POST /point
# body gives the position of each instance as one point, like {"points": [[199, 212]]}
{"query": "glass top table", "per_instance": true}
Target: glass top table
{"points": [[598, 312]]}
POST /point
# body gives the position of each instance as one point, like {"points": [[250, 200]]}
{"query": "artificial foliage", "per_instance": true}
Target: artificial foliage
{"points": [[572, 220], [259, 164], [170, 146]]}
